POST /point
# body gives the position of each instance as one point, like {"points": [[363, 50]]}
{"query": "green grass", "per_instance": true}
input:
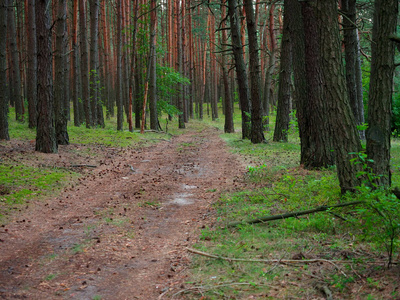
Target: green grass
{"points": [[277, 184]]}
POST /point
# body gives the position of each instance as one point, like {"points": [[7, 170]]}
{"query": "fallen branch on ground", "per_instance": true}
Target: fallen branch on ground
{"points": [[83, 166], [212, 287], [279, 261], [293, 214]]}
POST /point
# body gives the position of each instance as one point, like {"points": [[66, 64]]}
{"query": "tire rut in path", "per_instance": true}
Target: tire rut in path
{"points": [[121, 233]]}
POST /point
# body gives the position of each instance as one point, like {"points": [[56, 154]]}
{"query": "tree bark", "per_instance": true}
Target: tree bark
{"points": [[339, 117], [269, 72], [75, 79], [84, 63], [15, 63], [94, 63], [241, 73], [352, 57], [257, 134], [119, 92], [228, 126], [285, 80], [153, 67], [59, 81], [32, 65], [45, 135], [317, 146], [381, 89], [4, 135], [179, 62]]}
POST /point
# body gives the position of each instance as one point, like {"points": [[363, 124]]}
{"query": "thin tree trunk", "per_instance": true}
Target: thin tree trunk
{"points": [[84, 63], [241, 74], [229, 126], [285, 81], [59, 82], [94, 60], [153, 66], [352, 57], [32, 65], [45, 136], [359, 84], [4, 135], [269, 72], [179, 63], [120, 101], [257, 134], [381, 89], [132, 86], [74, 73], [15, 68]]}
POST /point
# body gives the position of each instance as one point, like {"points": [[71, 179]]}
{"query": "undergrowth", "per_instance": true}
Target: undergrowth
{"points": [[276, 184]]}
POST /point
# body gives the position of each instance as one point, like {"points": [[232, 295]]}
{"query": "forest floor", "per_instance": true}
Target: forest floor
{"points": [[121, 230]]}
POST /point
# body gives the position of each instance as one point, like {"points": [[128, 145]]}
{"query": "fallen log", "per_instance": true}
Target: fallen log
{"points": [[293, 214]]}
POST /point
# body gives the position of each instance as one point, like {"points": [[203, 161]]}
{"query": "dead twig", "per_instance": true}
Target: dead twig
{"points": [[278, 261], [83, 166], [211, 287]]}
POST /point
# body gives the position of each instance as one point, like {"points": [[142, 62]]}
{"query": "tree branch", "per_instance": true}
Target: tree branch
{"points": [[292, 214]]}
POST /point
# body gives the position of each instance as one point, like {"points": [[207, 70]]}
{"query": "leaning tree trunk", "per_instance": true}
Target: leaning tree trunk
{"points": [[45, 134], [59, 81], [15, 64], [32, 65], [344, 133], [4, 135], [257, 134], [285, 78], [241, 73], [381, 89]]}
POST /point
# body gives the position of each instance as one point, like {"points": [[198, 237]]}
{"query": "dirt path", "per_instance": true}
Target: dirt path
{"points": [[121, 233]]}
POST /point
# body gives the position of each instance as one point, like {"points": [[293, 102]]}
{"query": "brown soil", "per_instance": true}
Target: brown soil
{"points": [[121, 231]]}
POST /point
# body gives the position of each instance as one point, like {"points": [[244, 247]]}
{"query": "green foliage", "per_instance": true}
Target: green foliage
{"points": [[167, 81], [380, 216], [380, 219]]}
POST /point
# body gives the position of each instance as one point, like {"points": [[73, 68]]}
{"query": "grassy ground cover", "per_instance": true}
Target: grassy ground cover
{"points": [[26, 175], [355, 258]]}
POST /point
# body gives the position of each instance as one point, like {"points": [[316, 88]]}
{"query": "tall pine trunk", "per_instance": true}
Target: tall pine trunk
{"points": [[339, 116], [84, 63], [316, 148], [228, 126], [153, 68], [257, 134], [59, 81], [119, 92], [240, 67], [285, 80], [352, 58], [32, 65], [45, 135], [15, 63], [381, 89], [74, 74], [4, 135]]}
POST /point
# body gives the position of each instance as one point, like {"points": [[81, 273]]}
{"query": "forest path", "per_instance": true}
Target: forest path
{"points": [[121, 232]]}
